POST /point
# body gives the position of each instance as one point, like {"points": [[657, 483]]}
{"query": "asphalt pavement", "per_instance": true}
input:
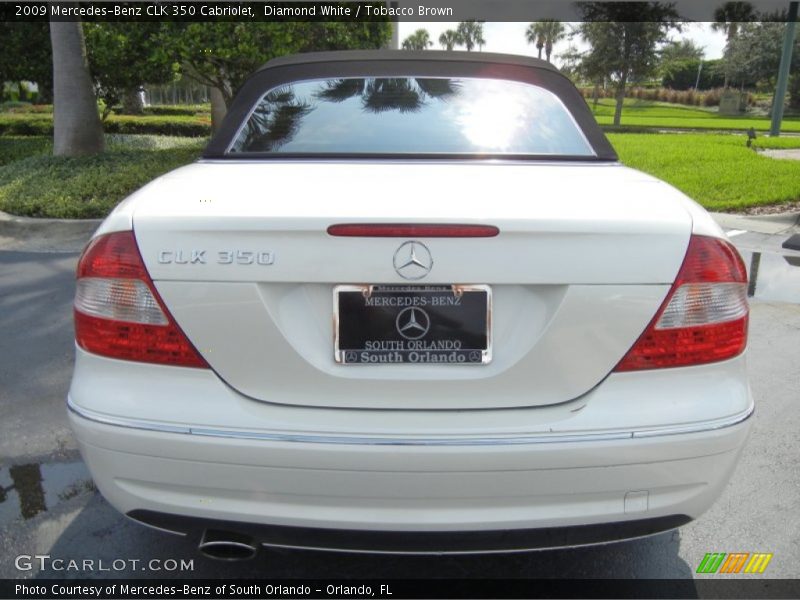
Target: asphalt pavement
{"points": [[48, 505]]}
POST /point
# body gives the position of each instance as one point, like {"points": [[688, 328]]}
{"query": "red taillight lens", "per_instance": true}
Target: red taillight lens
{"points": [[704, 317], [118, 312]]}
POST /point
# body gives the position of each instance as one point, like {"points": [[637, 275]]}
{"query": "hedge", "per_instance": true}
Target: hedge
{"points": [[177, 110], [686, 97], [42, 124]]}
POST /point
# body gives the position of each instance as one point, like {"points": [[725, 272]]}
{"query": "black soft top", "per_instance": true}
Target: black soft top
{"points": [[396, 63], [406, 55]]}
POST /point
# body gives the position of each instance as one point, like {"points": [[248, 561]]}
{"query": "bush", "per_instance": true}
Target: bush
{"points": [[160, 125], [42, 124], [169, 110], [688, 97], [26, 124], [26, 107], [682, 75], [86, 187]]}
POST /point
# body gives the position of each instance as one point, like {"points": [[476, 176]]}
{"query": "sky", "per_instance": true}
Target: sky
{"points": [[509, 38]]}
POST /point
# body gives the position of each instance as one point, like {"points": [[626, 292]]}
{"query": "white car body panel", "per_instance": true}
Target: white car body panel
{"points": [[218, 207], [589, 274]]}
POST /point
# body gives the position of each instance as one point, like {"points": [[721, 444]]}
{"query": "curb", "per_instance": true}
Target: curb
{"points": [[45, 235], [770, 224]]}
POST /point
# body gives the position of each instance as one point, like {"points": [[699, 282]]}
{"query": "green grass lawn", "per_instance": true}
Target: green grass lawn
{"points": [[38, 184], [716, 170], [18, 147], [643, 113], [765, 142]]}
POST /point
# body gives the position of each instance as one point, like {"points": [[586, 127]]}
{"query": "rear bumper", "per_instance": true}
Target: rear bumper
{"points": [[414, 498], [645, 447]]}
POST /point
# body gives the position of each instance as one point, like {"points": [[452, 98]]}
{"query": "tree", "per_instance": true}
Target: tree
{"points": [[419, 40], [682, 74], [534, 34], [545, 34], [470, 34], [623, 39], [449, 39], [753, 57], [26, 56], [683, 49], [143, 49], [679, 63], [222, 55], [76, 125], [729, 18]]}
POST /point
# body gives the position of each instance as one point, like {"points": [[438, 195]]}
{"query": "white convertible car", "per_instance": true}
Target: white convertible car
{"points": [[410, 302]]}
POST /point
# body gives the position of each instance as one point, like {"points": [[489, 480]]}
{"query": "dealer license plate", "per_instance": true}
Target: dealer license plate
{"points": [[413, 324]]}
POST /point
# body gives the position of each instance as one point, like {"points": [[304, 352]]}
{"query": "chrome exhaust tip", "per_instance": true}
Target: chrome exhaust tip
{"points": [[227, 545]]}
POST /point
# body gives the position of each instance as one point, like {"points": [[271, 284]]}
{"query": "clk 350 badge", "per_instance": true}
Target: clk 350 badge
{"points": [[225, 257]]}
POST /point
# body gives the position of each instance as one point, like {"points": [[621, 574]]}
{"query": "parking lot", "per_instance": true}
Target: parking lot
{"points": [[48, 505]]}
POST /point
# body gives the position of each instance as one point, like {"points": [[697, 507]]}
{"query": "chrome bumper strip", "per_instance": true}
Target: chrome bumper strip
{"points": [[538, 438]]}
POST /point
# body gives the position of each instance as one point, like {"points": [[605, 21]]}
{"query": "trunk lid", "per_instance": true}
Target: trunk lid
{"points": [[240, 253]]}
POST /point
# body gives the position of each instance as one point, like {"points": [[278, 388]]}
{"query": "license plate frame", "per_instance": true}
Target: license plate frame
{"points": [[395, 347]]}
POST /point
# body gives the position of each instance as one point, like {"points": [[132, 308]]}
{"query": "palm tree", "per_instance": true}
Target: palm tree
{"points": [[471, 34], [535, 35], [449, 39], [728, 18], [545, 34], [554, 32], [77, 130], [730, 15], [419, 40]]}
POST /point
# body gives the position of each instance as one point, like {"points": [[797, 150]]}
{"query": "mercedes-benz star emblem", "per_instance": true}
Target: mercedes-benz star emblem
{"points": [[412, 323], [413, 260]]}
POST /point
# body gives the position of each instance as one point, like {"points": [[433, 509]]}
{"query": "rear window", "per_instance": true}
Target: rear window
{"points": [[411, 116]]}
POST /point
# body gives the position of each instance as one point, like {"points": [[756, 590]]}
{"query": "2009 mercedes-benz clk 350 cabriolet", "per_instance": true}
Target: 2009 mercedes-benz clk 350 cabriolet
{"points": [[410, 302]]}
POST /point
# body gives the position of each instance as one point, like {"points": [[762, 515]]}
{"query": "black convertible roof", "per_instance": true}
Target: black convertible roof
{"points": [[406, 55], [403, 63]]}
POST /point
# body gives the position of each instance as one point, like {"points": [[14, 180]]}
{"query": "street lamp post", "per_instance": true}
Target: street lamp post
{"points": [[783, 70]]}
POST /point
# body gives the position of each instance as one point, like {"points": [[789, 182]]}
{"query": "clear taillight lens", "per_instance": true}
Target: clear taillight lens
{"points": [[118, 299], [695, 304], [703, 318]]}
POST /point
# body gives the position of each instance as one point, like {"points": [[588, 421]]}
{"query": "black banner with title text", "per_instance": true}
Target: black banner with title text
{"points": [[400, 10]]}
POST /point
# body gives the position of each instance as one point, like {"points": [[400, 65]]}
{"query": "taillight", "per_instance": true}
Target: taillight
{"points": [[704, 317], [118, 312]]}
